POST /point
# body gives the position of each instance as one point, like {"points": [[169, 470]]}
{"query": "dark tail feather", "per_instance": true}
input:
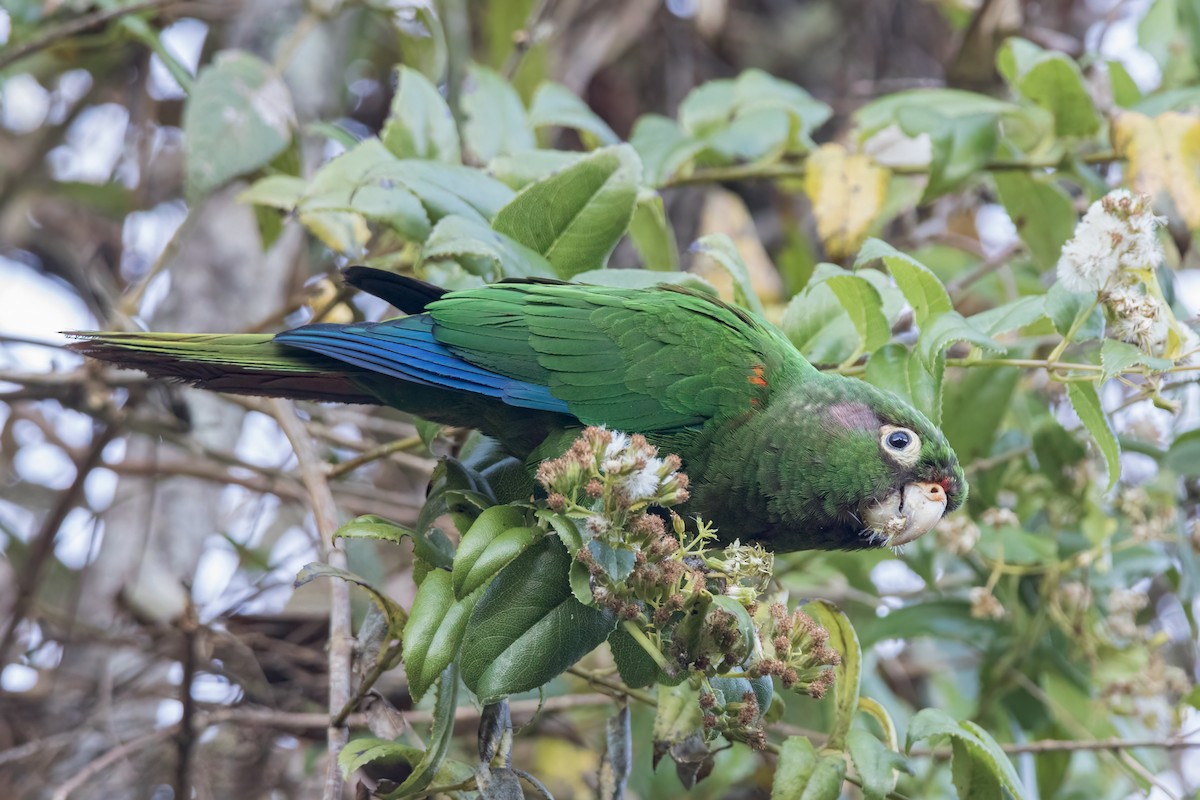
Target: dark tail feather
{"points": [[250, 364], [407, 294]]}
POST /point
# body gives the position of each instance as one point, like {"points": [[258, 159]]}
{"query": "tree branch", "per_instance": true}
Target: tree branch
{"points": [[313, 474], [74, 27]]}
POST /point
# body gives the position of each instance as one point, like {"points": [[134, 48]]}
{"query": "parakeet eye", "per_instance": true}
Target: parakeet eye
{"points": [[901, 444]]}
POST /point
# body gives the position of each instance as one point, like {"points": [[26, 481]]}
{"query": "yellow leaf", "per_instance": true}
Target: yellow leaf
{"points": [[1164, 159], [322, 302], [725, 212], [341, 231], [847, 193]]}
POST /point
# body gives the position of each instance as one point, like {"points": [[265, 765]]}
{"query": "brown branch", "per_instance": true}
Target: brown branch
{"points": [[74, 27], [186, 738], [94, 768], [312, 473], [1075, 746], [796, 169], [42, 546], [987, 267], [282, 486]]}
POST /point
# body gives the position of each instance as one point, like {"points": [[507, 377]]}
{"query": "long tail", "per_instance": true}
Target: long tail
{"points": [[252, 364]]}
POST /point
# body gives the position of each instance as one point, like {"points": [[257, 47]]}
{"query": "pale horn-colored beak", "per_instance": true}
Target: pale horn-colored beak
{"points": [[902, 517]]}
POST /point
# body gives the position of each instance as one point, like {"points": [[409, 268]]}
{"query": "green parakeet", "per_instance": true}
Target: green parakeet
{"points": [[777, 451]]}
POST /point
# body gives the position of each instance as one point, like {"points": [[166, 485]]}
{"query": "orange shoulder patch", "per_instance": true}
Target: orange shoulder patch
{"points": [[756, 378]]}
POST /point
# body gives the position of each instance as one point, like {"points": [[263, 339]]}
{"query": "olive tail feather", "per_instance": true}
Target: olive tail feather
{"points": [[249, 364]]}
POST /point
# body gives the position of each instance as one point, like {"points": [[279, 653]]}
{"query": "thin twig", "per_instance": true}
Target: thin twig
{"points": [[523, 39], [94, 768], [796, 169], [74, 27], [987, 267], [382, 660], [382, 451], [312, 473], [1071, 746]]}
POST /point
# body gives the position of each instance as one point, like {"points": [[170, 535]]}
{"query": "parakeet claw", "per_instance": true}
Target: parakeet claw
{"points": [[903, 516]]}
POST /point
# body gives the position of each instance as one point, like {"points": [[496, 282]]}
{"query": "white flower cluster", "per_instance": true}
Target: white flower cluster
{"points": [[1117, 234], [747, 569], [1114, 252], [642, 475]]}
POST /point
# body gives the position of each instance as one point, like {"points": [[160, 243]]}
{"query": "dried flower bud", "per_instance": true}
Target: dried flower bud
{"points": [[984, 604]]}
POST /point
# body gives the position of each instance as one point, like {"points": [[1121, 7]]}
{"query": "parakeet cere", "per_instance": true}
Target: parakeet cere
{"points": [[776, 451]]}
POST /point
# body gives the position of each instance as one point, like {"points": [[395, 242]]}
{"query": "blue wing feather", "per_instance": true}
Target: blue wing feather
{"points": [[406, 349]]}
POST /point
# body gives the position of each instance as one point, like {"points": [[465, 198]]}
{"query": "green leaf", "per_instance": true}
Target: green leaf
{"points": [[643, 279], [1184, 454], [447, 189], [1011, 545], [865, 307], [396, 762], [1116, 357], [979, 747], [899, 371], [576, 217], [802, 774], [275, 191], [498, 553], [1010, 316], [483, 251], [653, 235], [1086, 402], [617, 562], [496, 123], [392, 612], [1052, 81], [529, 166], [663, 147], [819, 325], [362, 181], [972, 777], [843, 639], [1125, 91], [422, 39], [1064, 307], [752, 115], [556, 105], [440, 737], [816, 322], [370, 526], [961, 146], [237, 119], [949, 103], [420, 124], [721, 249], [940, 619], [1042, 213], [949, 328], [876, 765], [973, 408], [528, 627], [485, 532], [434, 632], [920, 286], [635, 666]]}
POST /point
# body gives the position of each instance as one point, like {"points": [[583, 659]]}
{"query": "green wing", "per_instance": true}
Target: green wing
{"points": [[650, 360]]}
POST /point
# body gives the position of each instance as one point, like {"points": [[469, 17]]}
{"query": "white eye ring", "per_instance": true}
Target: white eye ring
{"points": [[902, 445]]}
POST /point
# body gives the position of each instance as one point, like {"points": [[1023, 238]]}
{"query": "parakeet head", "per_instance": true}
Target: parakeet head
{"points": [[861, 468], [905, 476]]}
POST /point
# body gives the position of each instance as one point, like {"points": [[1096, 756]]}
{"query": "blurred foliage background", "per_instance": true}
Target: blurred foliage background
{"points": [[171, 164]]}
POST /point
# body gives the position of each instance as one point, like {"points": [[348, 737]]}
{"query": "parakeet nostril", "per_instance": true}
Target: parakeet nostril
{"points": [[933, 491]]}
